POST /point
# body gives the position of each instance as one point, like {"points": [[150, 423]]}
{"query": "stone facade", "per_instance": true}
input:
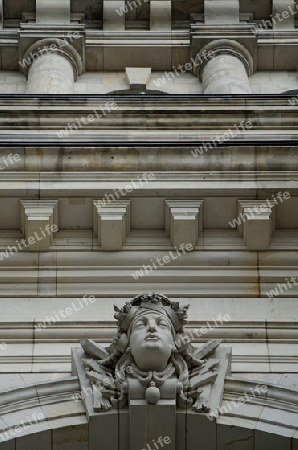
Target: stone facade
{"points": [[186, 184]]}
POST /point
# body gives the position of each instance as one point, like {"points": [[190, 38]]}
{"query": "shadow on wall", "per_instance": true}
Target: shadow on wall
{"points": [[137, 91]]}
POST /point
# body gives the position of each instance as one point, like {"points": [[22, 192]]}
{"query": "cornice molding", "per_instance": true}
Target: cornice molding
{"points": [[258, 343], [247, 34], [37, 395], [184, 125], [62, 394], [277, 397], [183, 184], [160, 177], [274, 323], [40, 407], [281, 333]]}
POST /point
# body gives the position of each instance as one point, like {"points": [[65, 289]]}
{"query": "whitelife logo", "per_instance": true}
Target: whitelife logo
{"points": [[12, 432], [157, 445], [162, 261], [11, 249], [9, 161]]}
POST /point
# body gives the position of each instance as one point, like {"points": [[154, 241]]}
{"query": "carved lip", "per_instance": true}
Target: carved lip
{"points": [[152, 337]]}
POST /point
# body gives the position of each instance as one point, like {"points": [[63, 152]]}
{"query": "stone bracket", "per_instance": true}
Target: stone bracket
{"points": [[138, 77], [257, 223], [37, 220], [111, 223], [184, 221]]}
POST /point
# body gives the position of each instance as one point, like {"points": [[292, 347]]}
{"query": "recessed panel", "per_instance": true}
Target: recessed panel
{"points": [[75, 213], [10, 214], [147, 213], [219, 211], [287, 213]]}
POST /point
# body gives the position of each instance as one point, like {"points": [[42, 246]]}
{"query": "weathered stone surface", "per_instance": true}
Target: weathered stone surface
{"points": [[53, 11], [221, 12], [69, 150]]}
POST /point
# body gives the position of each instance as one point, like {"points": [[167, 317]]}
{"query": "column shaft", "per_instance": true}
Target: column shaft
{"points": [[225, 74], [224, 66], [50, 74]]}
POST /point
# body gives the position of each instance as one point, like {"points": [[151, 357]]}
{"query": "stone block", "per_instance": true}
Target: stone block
{"points": [[8, 445], [118, 57], [53, 11], [113, 15], [234, 438], [71, 438], [160, 15], [295, 441], [271, 441], [142, 413], [103, 431], [35, 440], [200, 429], [282, 13], [221, 12]]}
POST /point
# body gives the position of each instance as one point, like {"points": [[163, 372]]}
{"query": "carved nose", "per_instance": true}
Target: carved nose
{"points": [[152, 326]]}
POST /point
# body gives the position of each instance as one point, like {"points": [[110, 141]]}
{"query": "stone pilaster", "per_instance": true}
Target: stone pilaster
{"points": [[52, 66], [224, 66]]}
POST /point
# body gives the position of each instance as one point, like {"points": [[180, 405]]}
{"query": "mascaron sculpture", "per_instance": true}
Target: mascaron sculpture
{"points": [[151, 357]]}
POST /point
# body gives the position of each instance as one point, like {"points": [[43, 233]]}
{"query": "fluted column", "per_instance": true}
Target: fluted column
{"points": [[224, 66], [51, 67]]}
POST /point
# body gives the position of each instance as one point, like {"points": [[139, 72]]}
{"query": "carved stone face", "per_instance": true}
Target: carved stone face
{"points": [[151, 341]]}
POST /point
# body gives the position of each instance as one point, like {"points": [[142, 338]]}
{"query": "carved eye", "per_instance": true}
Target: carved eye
{"points": [[140, 323], [163, 323]]}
